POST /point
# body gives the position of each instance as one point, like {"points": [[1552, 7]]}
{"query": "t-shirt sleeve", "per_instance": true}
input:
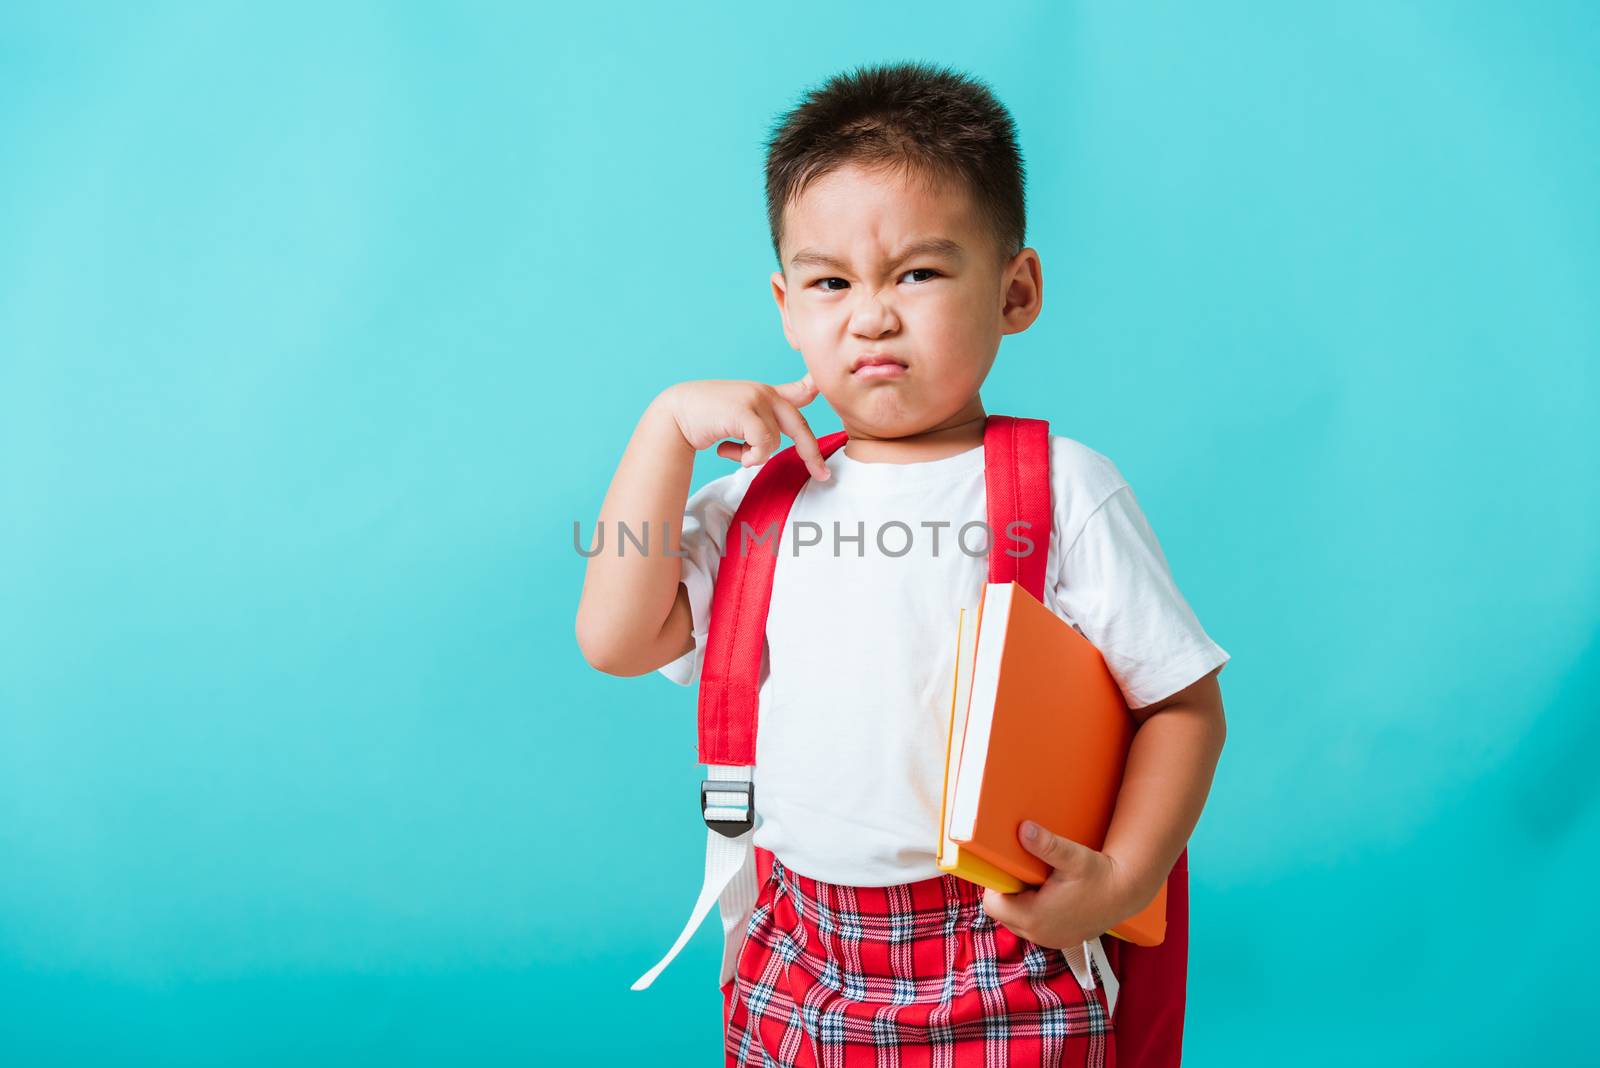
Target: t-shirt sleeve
{"points": [[1114, 583], [706, 518]]}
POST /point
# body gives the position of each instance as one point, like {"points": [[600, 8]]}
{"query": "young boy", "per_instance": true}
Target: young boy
{"points": [[895, 201]]}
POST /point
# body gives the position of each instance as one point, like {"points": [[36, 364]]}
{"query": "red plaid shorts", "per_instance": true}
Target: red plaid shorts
{"points": [[910, 975]]}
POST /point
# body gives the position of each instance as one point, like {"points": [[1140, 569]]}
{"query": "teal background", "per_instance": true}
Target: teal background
{"points": [[321, 326]]}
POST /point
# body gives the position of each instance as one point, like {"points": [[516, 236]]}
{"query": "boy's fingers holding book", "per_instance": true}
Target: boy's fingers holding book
{"points": [[1062, 854], [1079, 899]]}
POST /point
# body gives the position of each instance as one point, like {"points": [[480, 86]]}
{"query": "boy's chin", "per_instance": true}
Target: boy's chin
{"points": [[902, 423]]}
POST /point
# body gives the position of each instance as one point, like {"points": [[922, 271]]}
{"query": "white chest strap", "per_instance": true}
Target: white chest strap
{"points": [[730, 878], [1078, 958]]}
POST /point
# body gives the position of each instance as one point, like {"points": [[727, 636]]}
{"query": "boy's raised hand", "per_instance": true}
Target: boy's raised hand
{"points": [[753, 413]]}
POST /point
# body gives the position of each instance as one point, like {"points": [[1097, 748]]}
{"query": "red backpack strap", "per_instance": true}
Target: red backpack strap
{"points": [[1152, 980], [730, 679], [1016, 483], [1155, 979]]}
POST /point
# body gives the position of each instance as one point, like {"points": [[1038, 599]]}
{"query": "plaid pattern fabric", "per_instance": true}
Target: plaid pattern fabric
{"points": [[914, 975]]}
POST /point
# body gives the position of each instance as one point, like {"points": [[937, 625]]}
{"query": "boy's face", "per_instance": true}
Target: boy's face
{"points": [[855, 285]]}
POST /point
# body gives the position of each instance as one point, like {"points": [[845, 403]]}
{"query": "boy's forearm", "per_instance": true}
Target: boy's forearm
{"points": [[626, 598], [1169, 771]]}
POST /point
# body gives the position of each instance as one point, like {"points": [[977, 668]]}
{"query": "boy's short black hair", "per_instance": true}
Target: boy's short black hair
{"points": [[929, 121]]}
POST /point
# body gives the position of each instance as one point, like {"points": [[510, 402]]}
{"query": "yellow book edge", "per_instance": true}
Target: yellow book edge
{"points": [[951, 857]]}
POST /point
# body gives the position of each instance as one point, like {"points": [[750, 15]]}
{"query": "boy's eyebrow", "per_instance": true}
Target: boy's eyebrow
{"points": [[928, 246]]}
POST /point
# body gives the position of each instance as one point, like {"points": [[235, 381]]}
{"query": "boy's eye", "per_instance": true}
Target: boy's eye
{"points": [[829, 289]]}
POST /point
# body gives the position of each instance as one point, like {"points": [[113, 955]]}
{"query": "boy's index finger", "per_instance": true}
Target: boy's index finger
{"points": [[805, 442], [801, 392]]}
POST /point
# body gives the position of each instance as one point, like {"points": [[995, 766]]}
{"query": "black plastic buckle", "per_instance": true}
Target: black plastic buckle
{"points": [[728, 824]]}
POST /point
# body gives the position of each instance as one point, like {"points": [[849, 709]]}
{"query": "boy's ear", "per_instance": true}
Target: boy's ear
{"points": [[780, 294], [1022, 297]]}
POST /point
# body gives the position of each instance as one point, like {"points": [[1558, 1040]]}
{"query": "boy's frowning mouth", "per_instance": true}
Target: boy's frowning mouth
{"points": [[878, 365]]}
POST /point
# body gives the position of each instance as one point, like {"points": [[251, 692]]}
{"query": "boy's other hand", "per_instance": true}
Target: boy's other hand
{"points": [[1084, 896], [710, 410]]}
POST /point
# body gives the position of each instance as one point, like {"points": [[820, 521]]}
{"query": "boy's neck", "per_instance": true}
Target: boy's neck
{"points": [[957, 434]]}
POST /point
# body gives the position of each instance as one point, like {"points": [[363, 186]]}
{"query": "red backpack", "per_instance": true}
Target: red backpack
{"points": [[1150, 981]]}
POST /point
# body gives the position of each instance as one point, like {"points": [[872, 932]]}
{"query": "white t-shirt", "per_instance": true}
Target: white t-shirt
{"points": [[854, 701]]}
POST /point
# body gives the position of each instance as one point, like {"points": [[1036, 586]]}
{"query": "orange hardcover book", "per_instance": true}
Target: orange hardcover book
{"points": [[1039, 730]]}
